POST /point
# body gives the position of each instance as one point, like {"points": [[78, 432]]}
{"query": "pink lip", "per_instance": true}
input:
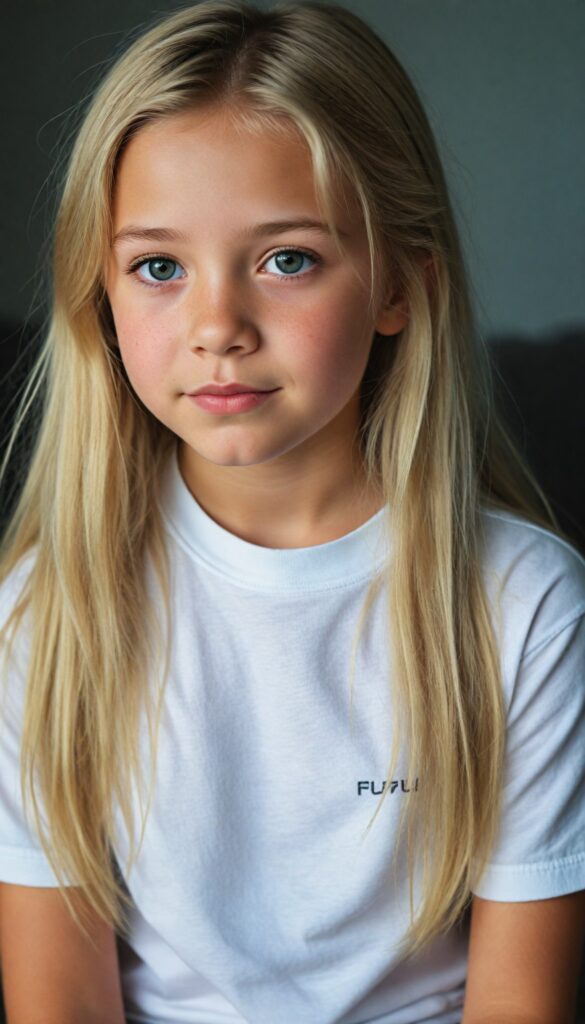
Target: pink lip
{"points": [[221, 404], [227, 389]]}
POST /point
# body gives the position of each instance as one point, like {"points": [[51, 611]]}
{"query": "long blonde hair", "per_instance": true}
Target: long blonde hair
{"points": [[88, 514]]}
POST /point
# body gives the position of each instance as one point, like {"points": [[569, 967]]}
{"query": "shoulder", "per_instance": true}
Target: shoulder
{"points": [[535, 581], [520, 552]]}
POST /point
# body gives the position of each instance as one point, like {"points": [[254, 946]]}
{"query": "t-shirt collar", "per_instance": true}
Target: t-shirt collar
{"points": [[338, 563]]}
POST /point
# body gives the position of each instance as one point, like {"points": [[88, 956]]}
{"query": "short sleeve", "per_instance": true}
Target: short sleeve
{"points": [[539, 851], [22, 858]]}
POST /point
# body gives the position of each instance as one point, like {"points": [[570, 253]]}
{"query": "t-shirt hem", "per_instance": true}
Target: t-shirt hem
{"points": [[21, 866], [541, 881]]}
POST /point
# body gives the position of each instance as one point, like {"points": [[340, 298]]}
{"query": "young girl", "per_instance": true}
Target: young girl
{"points": [[293, 705]]}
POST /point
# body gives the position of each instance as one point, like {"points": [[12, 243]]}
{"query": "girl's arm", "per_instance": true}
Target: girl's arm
{"points": [[524, 961], [51, 974]]}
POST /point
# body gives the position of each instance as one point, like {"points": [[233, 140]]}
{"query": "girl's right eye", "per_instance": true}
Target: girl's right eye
{"points": [[161, 268]]}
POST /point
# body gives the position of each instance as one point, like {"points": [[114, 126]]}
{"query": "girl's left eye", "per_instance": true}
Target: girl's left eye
{"points": [[163, 269], [284, 262]]}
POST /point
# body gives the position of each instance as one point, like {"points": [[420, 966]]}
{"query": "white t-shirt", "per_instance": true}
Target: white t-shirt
{"points": [[257, 897]]}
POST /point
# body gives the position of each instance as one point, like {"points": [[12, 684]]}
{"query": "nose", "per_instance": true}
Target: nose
{"points": [[220, 317]]}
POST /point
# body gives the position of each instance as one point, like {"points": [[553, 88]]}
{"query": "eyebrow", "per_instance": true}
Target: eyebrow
{"points": [[136, 233]]}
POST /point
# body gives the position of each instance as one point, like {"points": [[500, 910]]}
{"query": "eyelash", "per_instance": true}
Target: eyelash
{"points": [[136, 264]]}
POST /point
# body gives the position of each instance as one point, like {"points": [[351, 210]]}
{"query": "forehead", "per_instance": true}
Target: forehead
{"points": [[207, 164]]}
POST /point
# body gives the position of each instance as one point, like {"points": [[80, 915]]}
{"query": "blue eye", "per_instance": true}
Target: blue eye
{"points": [[288, 260], [160, 267]]}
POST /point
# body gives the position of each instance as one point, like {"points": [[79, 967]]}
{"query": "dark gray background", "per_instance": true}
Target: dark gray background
{"points": [[502, 80]]}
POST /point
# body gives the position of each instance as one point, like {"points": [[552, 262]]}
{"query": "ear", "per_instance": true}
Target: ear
{"points": [[394, 314]]}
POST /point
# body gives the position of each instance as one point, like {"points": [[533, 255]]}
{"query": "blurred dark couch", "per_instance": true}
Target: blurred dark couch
{"points": [[539, 388]]}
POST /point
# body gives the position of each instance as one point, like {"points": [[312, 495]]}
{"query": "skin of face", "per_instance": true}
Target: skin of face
{"points": [[283, 474]]}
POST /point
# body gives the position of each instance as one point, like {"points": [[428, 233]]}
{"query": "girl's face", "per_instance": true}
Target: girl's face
{"points": [[198, 294]]}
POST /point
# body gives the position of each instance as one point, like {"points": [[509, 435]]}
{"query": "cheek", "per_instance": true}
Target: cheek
{"points": [[144, 350], [331, 344]]}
